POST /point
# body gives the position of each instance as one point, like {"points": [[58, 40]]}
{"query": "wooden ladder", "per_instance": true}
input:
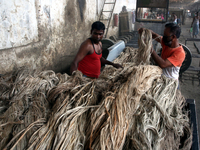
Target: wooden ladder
{"points": [[106, 14]]}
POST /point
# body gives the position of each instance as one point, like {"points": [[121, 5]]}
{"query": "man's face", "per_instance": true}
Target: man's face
{"points": [[97, 35], [168, 37]]}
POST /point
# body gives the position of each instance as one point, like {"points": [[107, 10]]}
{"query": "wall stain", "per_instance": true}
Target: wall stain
{"points": [[70, 13], [82, 5]]}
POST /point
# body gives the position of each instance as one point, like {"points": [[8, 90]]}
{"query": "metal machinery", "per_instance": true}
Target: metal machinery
{"points": [[152, 11], [152, 14]]}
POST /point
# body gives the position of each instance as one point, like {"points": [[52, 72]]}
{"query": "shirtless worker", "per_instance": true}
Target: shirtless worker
{"points": [[89, 58], [173, 54]]}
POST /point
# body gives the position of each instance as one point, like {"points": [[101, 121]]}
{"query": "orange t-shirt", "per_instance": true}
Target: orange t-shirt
{"points": [[176, 56]]}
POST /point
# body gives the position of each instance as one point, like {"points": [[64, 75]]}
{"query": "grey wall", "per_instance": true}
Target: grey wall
{"points": [[42, 34], [46, 34]]}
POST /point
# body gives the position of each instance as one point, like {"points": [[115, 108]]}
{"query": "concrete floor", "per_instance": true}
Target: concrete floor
{"points": [[190, 89]]}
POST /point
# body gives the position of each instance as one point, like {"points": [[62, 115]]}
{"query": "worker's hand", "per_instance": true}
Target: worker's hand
{"points": [[117, 66]]}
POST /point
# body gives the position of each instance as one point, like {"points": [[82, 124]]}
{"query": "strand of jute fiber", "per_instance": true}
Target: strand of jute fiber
{"points": [[131, 108]]}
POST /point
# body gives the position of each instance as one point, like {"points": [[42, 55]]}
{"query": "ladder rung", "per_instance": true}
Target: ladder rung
{"points": [[110, 3], [104, 19], [108, 18]]}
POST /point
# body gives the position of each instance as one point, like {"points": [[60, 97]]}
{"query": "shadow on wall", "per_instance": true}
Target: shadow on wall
{"points": [[82, 4]]}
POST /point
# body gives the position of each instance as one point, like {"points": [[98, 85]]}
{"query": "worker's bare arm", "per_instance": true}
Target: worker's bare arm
{"points": [[161, 62], [104, 61], [84, 49]]}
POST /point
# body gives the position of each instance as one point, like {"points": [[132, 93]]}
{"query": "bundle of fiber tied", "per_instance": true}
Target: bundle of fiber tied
{"points": [[131, 108]]}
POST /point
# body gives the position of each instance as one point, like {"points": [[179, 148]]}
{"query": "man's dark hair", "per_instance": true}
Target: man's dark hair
{"points": [[174, 28], [98, 25]]}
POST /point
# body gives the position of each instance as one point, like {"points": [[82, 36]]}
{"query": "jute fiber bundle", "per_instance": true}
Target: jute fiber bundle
{"points": [[131, 108], [23, 101]]}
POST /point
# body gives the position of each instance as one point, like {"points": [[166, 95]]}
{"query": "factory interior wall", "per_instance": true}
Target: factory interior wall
{"points": [[45, 34]]}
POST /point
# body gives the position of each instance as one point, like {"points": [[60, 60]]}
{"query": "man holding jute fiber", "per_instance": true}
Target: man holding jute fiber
{"points": [[173, 54]]}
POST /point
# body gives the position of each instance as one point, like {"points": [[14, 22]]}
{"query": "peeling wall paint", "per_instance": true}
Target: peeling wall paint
{"points": [[18, 26]]}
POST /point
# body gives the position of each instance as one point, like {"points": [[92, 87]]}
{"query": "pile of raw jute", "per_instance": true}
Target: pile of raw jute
{"points": [[134, 107]]}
